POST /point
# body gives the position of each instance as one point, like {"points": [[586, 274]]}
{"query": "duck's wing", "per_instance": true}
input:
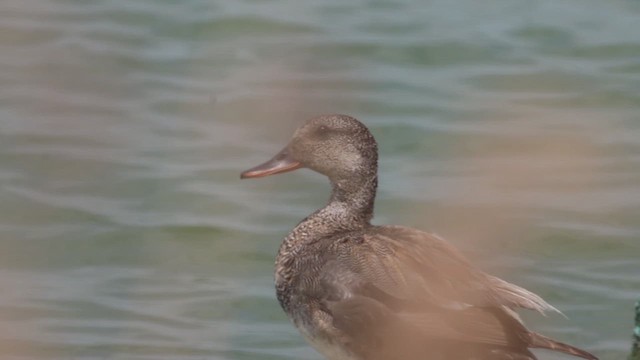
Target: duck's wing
{"points": [[411, 290], [490, 326], [414, 266], [376, 332]]}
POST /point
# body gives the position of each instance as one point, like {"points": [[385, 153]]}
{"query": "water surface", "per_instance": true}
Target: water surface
{"points": [[509, 127]]}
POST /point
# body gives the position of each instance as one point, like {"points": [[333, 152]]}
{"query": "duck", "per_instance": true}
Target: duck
{"points": [[358, 291]]}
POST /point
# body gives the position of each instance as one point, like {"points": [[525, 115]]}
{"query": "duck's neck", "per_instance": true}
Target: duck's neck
{"points": [[350, 208], [352, 201]]}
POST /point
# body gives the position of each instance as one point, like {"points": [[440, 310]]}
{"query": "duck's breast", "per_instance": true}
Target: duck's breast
{"points": [[319, 331]]}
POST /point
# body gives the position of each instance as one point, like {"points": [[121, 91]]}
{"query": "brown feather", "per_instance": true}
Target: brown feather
{"points": [[544, 342]]}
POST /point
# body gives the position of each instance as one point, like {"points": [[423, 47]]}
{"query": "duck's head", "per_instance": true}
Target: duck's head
{"points": [[337, 146]]}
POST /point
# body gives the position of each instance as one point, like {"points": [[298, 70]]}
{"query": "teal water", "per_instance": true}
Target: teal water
{"points": [[511, 128]]}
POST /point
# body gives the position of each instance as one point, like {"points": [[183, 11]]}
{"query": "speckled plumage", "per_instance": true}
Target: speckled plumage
{"points": [[362, 292]]}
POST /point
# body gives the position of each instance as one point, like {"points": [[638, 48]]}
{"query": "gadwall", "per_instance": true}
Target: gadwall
{"points": [[358, 291]]}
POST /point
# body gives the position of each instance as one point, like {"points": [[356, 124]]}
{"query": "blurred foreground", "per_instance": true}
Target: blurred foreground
{"points": [[509, 128]]}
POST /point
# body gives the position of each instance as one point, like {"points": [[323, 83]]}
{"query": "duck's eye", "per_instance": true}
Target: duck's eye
{"points": [[323, 131]]}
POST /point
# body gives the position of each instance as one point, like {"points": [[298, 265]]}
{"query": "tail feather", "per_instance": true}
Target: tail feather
{"points": [[513, 295], [540, 341]]}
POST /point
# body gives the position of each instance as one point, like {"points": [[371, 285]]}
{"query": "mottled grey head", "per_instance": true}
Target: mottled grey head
{"points": [[337, 146]]}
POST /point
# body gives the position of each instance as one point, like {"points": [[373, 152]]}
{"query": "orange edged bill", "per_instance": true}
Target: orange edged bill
{"points": [[280, 163]]}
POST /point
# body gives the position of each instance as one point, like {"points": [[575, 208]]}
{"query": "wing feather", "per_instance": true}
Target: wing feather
{"points": [[414, 265]]}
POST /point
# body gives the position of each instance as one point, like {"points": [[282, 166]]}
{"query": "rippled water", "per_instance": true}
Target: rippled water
{"points": [[510, 127]]}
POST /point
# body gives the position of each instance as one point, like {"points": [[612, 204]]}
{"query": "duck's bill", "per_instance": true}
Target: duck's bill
{"points": [[280, 163]]}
